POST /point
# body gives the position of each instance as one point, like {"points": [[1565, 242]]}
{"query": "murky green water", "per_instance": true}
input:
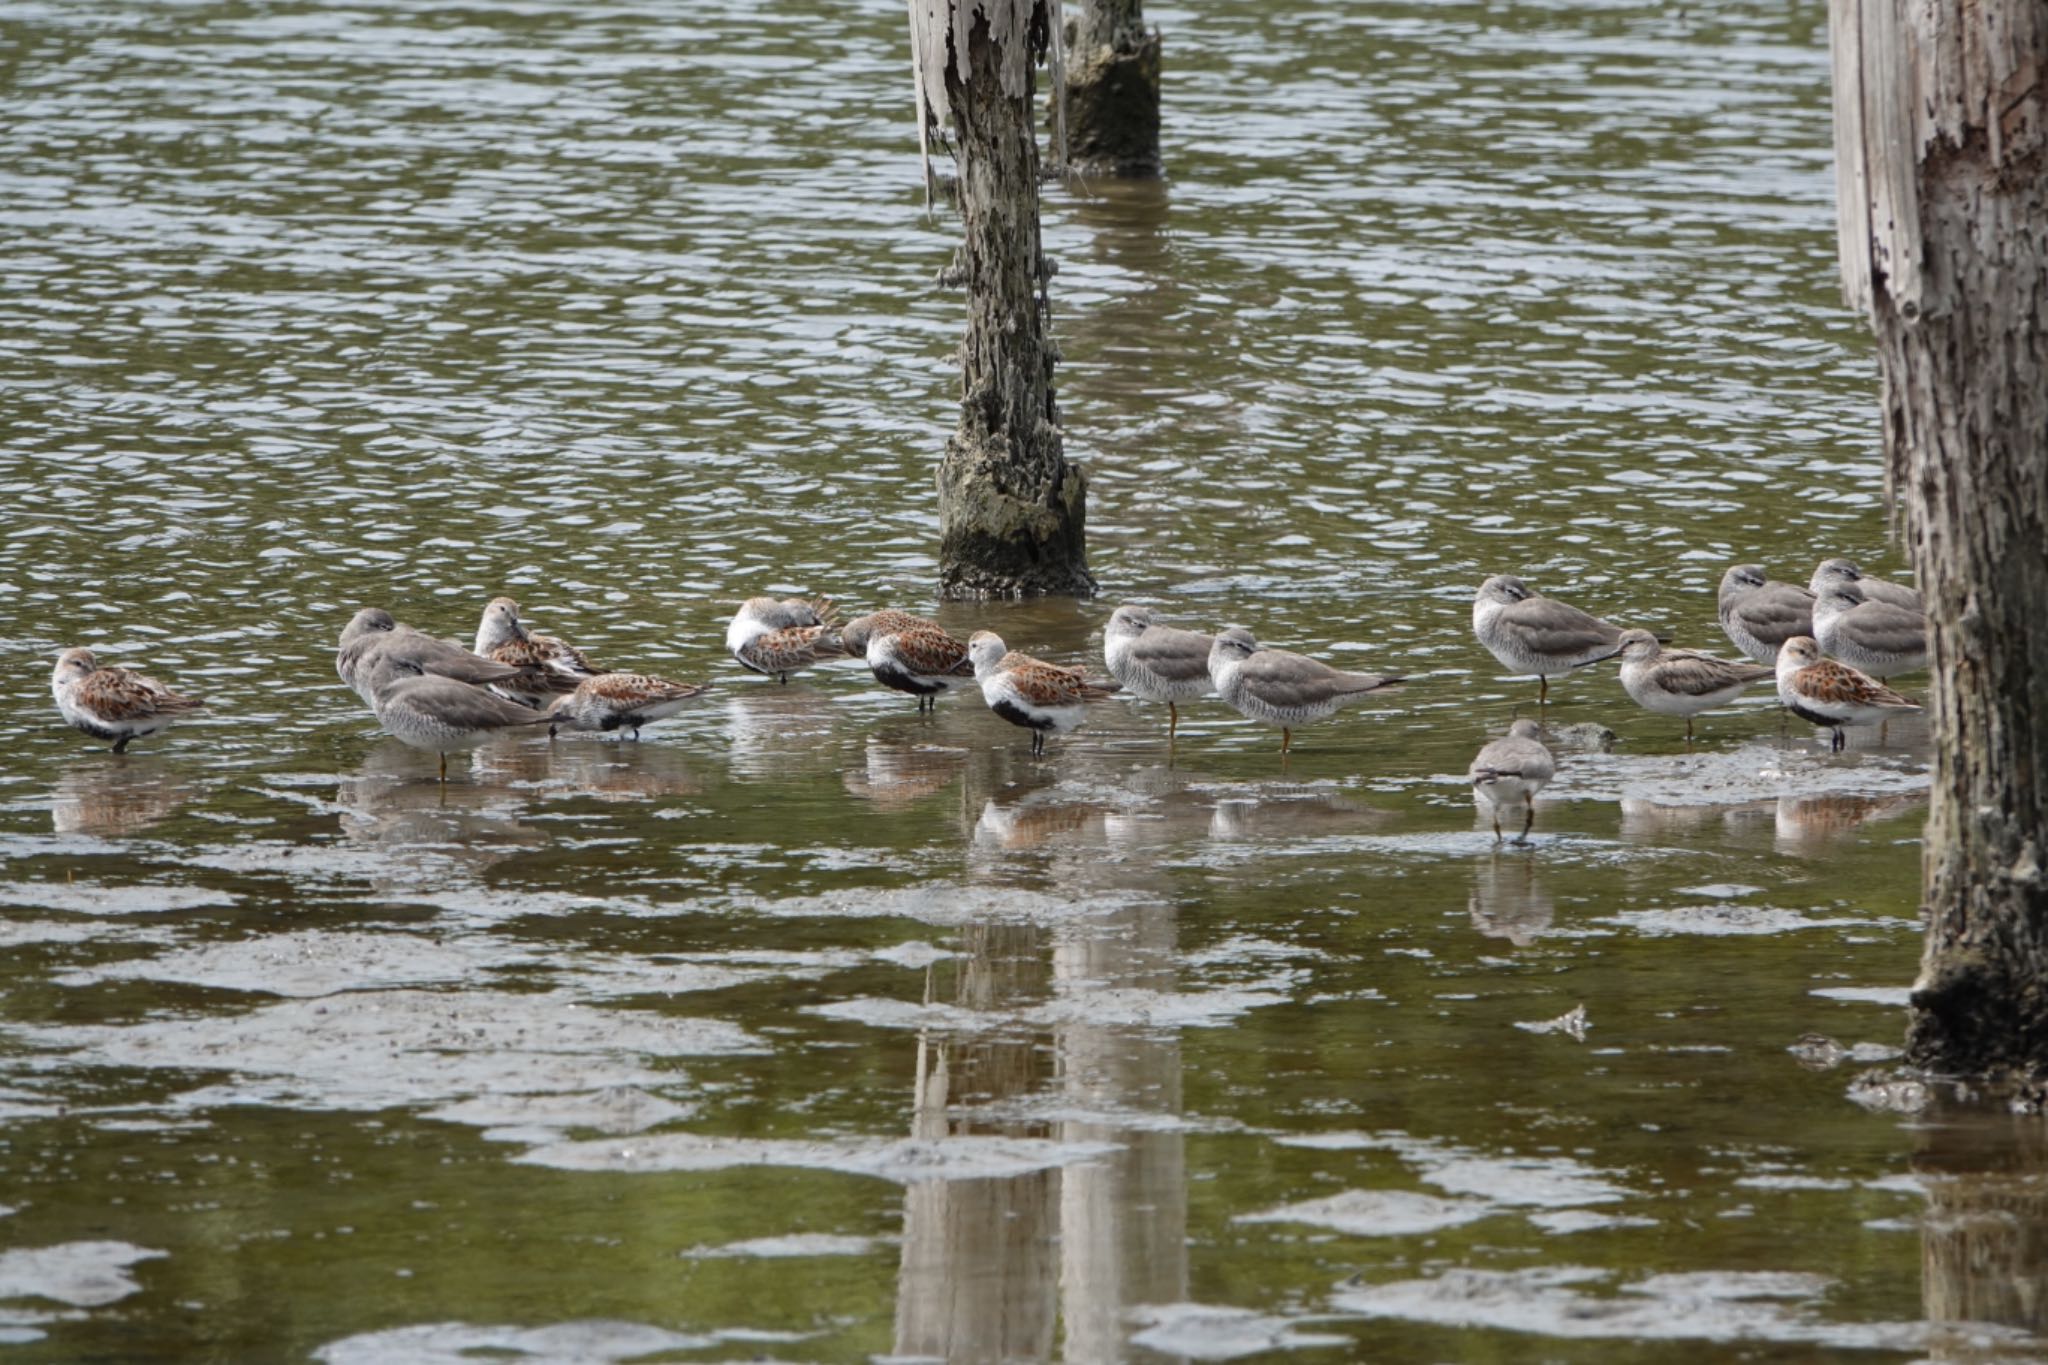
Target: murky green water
{"points": [[811, 1030]]}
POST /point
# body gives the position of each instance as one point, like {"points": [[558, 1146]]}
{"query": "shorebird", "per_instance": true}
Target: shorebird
{"points": [[551, 667], [373, 633], [909, 654], [1530, 633], [781, 638], [1156, 661], [1832, 571], [1760, 614], [1280, 687], [1833, 694], [114, 703], [1881, 638], [1680, 682], [620, 701], [1507, 774], [437, 713], [1030, 692]]}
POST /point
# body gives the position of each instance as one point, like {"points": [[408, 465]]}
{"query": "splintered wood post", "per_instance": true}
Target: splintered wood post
{"points": [[1012, 510], [1941, 148], [1112, 104]]}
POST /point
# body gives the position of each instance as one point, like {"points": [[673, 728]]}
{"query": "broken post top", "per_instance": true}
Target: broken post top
{"points": [[1019, 32]]}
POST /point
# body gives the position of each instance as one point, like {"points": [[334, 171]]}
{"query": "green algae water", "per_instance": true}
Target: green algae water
{"points": [[810, 1029]]}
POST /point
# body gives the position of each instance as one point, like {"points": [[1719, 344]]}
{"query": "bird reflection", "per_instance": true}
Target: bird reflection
{"points": [[120, 796], [392, 803], [898, 773], [603, 769], [1812, 826], [775, 731], [1027, 823], [1653, 820], [1282, 810], [1508, 899]]}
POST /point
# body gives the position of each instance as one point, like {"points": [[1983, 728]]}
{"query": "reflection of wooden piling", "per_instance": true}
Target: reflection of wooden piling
{"points": [[976, 1279], [1123, 1220], [1984, 1238]]}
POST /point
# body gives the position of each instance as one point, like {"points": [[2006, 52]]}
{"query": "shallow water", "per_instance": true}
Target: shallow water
{"points": [[811, 1029]]}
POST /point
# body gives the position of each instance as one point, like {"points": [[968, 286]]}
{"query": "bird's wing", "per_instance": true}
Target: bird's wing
{"points": [[459, 705], [931, 651], [123, 694], [1180, 656], [628, 690], [1044, 684], [1775, 612], [1286, 679], [1555, 628], [793, 647], [1837, 684], [440, 657], [563, 657], [1888, 628], [1700, 675]]}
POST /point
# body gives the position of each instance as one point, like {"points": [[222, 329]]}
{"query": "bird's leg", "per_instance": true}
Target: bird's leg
{"points": [[1837, 741], [444, 769], [1496, 826], [1688, 734], [1542, 688], [782, 678], [121, 744], [552, 727], [1286, 740], [1528, 822], [1172, 722]]}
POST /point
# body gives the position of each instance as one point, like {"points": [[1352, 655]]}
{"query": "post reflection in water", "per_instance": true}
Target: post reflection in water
{"points": [[1984, 1236], [977, 1280], [990, 1268]]}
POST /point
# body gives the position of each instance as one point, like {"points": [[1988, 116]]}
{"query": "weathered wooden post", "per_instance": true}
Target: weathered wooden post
{"points": [[1012, 510], [1941, 146], [1112, 114]]}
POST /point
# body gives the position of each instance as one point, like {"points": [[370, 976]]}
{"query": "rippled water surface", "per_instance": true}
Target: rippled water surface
{"points": [[808, 1028]]}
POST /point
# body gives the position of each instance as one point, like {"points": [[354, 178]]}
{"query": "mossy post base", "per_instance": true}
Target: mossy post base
{"points": [[998, 541]]}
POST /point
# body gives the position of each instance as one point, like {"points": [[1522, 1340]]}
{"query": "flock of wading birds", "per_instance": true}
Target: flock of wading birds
{"points": [[440, 697]]}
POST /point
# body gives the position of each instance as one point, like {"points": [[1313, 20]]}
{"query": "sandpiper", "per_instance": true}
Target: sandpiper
{"points": [[552, 667], [1832, 571], [1833, 694], [1680, 682], [620, 701], [1280, 687], [1881, 638], [1760, 614], [909, 653], [114, 703], [1030, 692], [780, 638], [372, 633], [855, 634], [1509, 772], [437, 713], [1530, 633], [1156, 661]]}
